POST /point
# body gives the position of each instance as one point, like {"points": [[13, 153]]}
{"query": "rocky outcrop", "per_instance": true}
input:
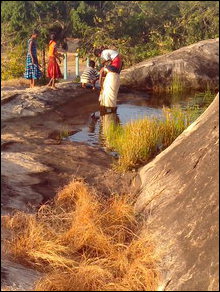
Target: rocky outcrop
{"points": [[37, 162], [179, 197], [32, 101], [36, 159], [195, 66]]}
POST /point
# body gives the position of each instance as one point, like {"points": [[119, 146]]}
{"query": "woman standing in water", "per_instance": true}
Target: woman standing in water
{"points": [[32, 71], [109, 88], [53, 70]]}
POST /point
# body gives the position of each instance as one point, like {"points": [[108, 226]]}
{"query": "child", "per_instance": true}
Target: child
{"points": [[90, 75]]}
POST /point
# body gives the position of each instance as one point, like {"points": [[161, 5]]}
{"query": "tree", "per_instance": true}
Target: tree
{"points": [[199, 20], [19, 18], [138, 29]]}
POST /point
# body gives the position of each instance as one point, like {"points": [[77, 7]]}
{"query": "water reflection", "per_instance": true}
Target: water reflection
{"points": [[132, 106], [92, 123], [107, 120], [98, 127], [93, 133]]}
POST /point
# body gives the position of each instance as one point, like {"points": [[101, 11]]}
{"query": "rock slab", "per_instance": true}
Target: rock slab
{"points": [[195, 67], [180, 199]]}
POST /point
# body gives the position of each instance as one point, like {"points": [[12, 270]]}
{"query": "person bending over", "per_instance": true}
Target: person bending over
{"points": [[112, 62]]}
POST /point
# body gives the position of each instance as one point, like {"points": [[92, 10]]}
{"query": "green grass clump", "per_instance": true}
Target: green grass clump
{"points": [[139, 141]]}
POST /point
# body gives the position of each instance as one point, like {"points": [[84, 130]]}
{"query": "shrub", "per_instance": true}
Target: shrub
{"points": [[13, 65]]}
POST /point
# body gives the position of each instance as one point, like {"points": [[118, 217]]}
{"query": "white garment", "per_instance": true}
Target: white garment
{"points": [[82, 80], [109, 93], [109, 55]]}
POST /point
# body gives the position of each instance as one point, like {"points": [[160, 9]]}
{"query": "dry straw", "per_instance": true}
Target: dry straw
{"points": [[84, 243]]}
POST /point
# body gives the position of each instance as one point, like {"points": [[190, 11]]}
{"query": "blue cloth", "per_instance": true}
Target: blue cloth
{"points": [[32, 71], [113, 69]]}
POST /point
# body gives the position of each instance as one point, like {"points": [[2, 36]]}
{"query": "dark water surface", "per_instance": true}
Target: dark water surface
{"points": [[131, 106]]}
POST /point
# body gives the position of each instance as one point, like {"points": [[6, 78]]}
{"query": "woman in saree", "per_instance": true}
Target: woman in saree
{"points": [[53, 70], [110, 86], [32, 71]]}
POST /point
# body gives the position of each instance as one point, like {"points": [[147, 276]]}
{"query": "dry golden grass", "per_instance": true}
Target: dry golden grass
{"points": [[17, 82], [84, 243]]}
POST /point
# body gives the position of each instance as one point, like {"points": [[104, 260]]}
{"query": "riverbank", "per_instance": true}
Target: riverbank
{"points": [[36, 163], [31, 138]]}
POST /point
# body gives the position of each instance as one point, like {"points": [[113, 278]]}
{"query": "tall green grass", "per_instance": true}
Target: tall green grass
{"points": [[139, 141]]}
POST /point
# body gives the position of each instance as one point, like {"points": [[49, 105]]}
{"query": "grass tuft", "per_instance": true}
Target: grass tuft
{"points": [[84, 243], [137, 142]]}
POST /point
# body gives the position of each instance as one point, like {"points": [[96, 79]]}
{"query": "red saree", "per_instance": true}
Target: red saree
{"points": [[53, 70]]}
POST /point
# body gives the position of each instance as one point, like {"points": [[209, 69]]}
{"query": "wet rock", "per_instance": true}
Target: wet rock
{"points": [[195, 67], [179, 197], [31, 101], [59, 135]]}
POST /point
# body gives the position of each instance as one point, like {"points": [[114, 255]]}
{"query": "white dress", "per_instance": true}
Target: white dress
{"points": [[109, 93]]}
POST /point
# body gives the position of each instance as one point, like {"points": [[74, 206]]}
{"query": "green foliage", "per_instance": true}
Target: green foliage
{"points": [[17, 21], [199, 20], [14, 65], [138, 29], [64, 134], [143, 29], [20, 18], [176, 85], [82, 19], [201, 100]]}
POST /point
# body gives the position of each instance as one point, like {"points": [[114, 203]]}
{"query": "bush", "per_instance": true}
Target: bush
{"points": [[13, 64]]}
